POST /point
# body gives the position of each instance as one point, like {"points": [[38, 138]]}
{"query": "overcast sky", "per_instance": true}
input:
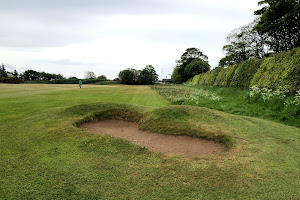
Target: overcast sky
{"points": [[72, 37]]}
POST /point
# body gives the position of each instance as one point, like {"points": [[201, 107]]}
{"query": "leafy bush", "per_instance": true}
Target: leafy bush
{"points": [[213, 75], [225, 76], [146, 76], [279, 71], [204, 78], [229, 75], [195, 79], [245, 72], [221, 76], [12, 79]]}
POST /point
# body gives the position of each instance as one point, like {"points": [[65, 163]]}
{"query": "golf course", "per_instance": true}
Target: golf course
{"points": [[44, 154]]}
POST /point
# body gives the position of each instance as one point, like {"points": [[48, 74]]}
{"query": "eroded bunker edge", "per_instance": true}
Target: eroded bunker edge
{"points": [[147, 123]]}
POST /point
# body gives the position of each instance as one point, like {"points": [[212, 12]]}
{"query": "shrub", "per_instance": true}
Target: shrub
{"points": [[12, 79], [195, 79], [228, 75], [279, 71], [213, 75], [221, 76], [245, 72]]}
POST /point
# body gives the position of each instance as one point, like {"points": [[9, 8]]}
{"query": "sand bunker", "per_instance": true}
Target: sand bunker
{"points": [[166, 144]]}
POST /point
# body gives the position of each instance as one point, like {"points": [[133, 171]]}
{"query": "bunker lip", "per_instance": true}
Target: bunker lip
{"points": [[166, 144]]}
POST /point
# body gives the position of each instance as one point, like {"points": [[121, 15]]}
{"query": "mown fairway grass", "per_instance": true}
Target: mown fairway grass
{"points": [[43, 156]]}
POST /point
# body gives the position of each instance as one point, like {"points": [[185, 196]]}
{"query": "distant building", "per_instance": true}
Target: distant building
{"points": [[165, 81]]}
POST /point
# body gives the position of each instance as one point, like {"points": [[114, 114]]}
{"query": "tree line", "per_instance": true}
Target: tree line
{"points": [[275, 29], [192, 62], [146, 76], [32, 75]]}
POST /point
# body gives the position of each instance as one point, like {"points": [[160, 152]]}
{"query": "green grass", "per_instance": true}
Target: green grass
{"points": [[44, 156], [232, 100]]}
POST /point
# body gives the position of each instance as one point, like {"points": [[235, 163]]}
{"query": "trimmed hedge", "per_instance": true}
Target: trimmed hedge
{"points": [[195, 79], [245, 72], [12, 79], [280, 71], [220, 78], [225, 76]]}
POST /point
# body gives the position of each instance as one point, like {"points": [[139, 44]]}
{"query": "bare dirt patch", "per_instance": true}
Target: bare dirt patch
{"points": [[166, 144]]}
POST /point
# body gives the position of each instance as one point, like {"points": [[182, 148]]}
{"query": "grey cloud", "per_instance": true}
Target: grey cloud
{"points": [[41, 23]]}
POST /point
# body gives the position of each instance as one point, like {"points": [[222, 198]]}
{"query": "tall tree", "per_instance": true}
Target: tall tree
{"points": [[90, 75], [15, 73], [192, 53], [244, 43], [192, 62], [195, 67], [3, 72], [280, 21], [129, 76], [148, 76], [31, 75], [102, 77], [176, 77]]}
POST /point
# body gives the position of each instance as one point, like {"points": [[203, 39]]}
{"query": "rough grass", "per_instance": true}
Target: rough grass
{"points": [[232, 100], [44, 156]]}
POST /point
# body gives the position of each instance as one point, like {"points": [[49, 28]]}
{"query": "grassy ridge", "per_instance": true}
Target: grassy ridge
{"points": [[233, 100], [43, 156]]}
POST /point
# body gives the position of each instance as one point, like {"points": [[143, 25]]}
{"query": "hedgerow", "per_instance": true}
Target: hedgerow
{"points": [[12, 79], [279, 72], [245, 72]]}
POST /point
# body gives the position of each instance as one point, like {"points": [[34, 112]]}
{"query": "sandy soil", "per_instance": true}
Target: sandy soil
{"points": [[166, 144]]}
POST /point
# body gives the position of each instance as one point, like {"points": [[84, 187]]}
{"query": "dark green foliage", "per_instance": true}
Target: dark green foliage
{"points": [[102, 77], [70, 81], [214, 75], [147, 76], [192, 62], [129, 76], [3, 72], [227, 75], [90, 75], [245, 72], [220, 78], [176, 77], [108, 82], [209, 77], [192, 53], [31, 75], [13, 79], [279, 20], [280, 71], [196, 79], [196, 66], [15, 73]]}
